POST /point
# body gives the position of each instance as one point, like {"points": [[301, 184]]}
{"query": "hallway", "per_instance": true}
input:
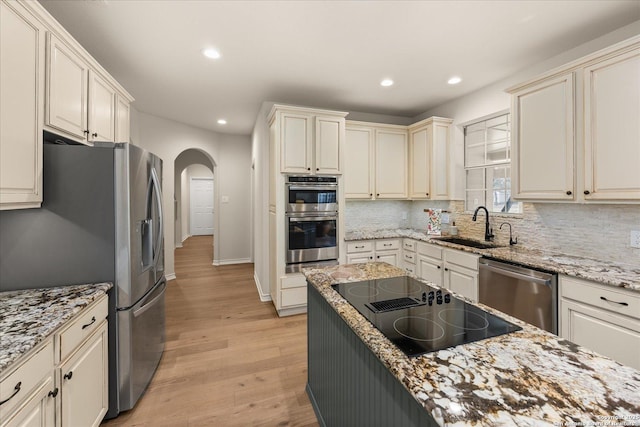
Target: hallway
{"points": [[229, 359]]}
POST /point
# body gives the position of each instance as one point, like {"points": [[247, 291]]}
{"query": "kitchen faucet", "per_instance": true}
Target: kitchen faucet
{"points": [[488, 235]]}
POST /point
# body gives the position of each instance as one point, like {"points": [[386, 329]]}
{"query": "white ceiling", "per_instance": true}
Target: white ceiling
{"points": [[330, 54]]}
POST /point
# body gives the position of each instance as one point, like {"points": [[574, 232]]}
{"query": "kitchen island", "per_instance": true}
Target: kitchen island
{"points": [[525, 378]]}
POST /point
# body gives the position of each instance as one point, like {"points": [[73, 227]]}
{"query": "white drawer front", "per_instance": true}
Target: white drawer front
{"points": [[384, 245], [294, 297], [410, 268], [409, 258], [601, 296], [80, 328], [432, 251], [294, 281], [409, 245], [362, 246], [26, 378], [461, 258]]}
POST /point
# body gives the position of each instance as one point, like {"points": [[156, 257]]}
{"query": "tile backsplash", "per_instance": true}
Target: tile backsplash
{"points": [[593, 231]]}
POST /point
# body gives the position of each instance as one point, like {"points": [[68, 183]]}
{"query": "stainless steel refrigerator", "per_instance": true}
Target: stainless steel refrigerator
{"points": [[101, 220]]}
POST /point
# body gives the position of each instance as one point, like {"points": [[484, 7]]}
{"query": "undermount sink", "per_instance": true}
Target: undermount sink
{"points": [[467, 242]]}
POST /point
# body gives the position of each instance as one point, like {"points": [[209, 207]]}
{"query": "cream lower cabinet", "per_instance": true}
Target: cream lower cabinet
{"points": [[430, 264], [22, 59], [450, 268], [382, 250], [28, 391], [601, 318], [64, 381]]}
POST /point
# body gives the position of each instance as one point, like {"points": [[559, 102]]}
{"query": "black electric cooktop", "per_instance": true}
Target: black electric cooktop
{"points": [[419, 318]]}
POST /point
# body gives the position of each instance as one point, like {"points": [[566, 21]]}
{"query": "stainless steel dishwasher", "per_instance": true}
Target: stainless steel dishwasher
{"points": [[521, 292]]}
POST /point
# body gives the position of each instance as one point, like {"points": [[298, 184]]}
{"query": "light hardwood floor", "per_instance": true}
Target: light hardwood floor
{"points": [[229, 359]]}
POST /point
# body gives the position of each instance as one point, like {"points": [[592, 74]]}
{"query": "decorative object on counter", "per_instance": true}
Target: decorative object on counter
{"points": [[434, 227], [512, 241], [453, 230]]}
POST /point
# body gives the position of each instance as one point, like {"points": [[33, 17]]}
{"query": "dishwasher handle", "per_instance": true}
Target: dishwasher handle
{"points": [[515, 275]]}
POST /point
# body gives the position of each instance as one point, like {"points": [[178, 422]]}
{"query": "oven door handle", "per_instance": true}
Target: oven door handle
{"points": [[327, 187], [546, 282], [312, 218]]}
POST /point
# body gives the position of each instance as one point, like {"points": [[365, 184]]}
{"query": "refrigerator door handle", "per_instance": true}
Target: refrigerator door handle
{"points": [[158, 193], [148, 304]]}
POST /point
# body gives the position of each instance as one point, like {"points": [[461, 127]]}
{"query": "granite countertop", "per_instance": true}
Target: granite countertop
{"points": [[525, 378], [28, 317], [614, 274]]}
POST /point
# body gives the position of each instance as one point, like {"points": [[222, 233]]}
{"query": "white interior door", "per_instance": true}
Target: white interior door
{"points": [[201, 206]]}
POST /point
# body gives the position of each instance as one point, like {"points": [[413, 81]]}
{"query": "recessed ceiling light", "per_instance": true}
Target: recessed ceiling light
{"points": [[211, 53], [386, 82], [454, 80], [222, 122]]}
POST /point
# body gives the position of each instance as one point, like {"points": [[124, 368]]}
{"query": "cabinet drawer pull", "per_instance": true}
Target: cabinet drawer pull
{"points": [[387, 244], [587, 192], [409, 256], [54, 393], [68, 376], [359, 247], [16, 391], [614, 302], [93, 320]]}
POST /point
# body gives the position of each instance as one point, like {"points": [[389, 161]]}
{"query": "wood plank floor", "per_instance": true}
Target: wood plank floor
{"points": [[229, 359]]}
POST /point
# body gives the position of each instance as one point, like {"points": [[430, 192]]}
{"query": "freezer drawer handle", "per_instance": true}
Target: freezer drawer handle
{"points": [[614, 302], [149, 304], [93, 320], [515, 275], [17, 390]]}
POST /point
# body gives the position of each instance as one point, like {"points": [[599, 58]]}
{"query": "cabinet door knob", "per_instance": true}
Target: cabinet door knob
{"points": [[95, 135], [68, 376], [377, 194], [86, 131], [587, 192], [308, 169], [569, 192], [54, 393], [370, 194], [446, 269], [317, 169], [439, 267], [427, 194]]}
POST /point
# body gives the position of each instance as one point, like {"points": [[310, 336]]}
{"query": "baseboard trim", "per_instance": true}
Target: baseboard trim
{"points": [[232, 261], [263, 297], [170, 276], [186, 237]]}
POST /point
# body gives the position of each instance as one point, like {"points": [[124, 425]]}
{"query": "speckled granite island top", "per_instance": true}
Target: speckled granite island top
{"points": [[525, 378], [614, 274], [28, 317]]}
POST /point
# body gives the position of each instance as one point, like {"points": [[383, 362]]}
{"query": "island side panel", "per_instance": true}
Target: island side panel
{"points": [[347, 384]]}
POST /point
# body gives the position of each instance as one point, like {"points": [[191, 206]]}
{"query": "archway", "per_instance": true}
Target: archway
{"points": [[189, 164]]}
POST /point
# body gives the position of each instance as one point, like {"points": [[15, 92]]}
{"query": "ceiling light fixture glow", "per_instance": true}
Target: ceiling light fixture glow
{"points": [[454, 80], [386, 82], [211, 53], [222, 122]]}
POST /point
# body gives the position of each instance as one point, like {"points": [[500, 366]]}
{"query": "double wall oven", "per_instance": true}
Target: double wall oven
{"points": [[311, 214]]}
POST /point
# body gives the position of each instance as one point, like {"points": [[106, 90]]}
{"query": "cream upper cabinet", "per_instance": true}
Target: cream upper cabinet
{"points": [[123, 121], [67, 76], [310, 143], [102, 109], [392, 155], [359, 169], [575, 130], [22, 60], [81, 103], [429, 159], [543, 140], [329, 137], [612, 128]]}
